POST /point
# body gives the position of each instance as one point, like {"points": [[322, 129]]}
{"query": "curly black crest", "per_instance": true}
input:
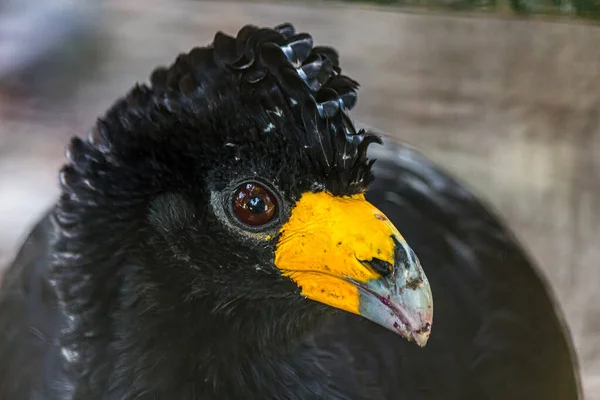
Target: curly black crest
{"points": [[309, 81], [297, 83]]}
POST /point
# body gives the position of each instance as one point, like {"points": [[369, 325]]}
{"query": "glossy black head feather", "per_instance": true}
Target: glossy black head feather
{"points": [[300, 98]]}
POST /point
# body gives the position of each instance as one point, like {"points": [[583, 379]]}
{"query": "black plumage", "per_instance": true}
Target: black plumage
{"points": [[138, 285]]}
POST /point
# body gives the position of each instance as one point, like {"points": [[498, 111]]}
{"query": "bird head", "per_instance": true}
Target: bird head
{"points": [[237, 175]]}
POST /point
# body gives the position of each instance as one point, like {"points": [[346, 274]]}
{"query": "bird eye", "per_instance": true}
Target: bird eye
{"points": [[253, 204]]}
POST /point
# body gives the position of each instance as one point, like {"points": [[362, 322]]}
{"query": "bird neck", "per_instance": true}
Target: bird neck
{"points": [[258, 347], [186, 350]]}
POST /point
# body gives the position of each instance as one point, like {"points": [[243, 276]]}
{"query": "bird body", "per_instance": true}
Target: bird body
{"points": [[200, 250]]}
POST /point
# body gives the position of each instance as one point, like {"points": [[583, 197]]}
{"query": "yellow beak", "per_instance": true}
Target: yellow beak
{"points": [[343, 252]]}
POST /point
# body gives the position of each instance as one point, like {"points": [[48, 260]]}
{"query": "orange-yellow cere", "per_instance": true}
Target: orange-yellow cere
{"points": [[323, 242]]}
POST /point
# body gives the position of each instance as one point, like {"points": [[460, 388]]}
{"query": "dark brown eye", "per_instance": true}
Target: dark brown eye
{"points": [[253, 204]]}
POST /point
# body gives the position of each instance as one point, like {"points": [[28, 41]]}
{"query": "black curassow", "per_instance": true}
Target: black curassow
{"points": [[220, 235]]}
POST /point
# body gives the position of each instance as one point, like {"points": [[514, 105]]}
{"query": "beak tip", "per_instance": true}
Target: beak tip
{"points": [[421, 341], [419, 332], [408, 314], [421, 336]]}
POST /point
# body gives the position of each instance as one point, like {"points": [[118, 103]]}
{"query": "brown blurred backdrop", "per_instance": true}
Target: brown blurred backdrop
{"points": [[512, 107]]}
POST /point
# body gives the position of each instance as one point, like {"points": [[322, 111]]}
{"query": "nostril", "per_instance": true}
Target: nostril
{"points": [[382, 267], [401, 255]]}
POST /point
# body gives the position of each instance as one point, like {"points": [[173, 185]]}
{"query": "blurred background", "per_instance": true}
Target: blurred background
{"points": [[505, 94]]}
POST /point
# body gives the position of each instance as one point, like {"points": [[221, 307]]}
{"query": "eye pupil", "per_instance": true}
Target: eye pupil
{"points": [[254, 205]]}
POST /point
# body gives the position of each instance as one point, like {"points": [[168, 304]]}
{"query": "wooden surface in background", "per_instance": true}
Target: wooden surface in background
{"points": [[510, 107]]}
